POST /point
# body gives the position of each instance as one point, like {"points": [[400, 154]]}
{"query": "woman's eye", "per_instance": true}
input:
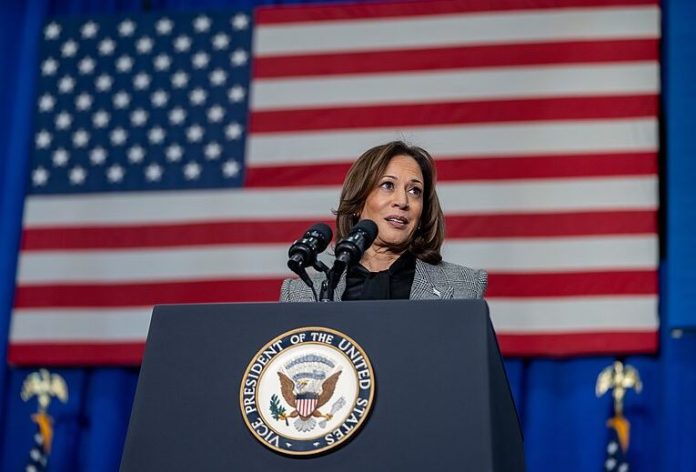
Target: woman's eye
{"points": [[417, 191], [387, 185]]}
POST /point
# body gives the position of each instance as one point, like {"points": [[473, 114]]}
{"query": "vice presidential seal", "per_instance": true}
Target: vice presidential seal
{"points": [[307, 391]]}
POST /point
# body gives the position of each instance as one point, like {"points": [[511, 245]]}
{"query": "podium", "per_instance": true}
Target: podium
{"points": [[441, 400]]}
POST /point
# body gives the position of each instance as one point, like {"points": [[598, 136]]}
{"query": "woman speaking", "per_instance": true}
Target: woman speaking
{"points": [[394, 185]]}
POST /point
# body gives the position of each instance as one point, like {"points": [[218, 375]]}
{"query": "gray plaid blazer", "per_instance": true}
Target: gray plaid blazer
{"points": [[430, 282]]}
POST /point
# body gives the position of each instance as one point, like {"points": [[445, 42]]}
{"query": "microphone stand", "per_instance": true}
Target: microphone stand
{"points": [[328, 286]]}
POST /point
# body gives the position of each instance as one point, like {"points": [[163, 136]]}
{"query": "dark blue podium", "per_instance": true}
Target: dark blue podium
{"points": [[442, 400]]}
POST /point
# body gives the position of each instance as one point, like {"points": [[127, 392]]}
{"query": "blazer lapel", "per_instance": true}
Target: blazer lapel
{"points": [[429, 283]]}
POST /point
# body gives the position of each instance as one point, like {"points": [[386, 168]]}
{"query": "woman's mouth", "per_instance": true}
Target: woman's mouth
{"points": [[398, 222]]}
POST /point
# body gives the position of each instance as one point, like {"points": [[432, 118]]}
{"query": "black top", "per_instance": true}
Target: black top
{"points": [[391, 284]]}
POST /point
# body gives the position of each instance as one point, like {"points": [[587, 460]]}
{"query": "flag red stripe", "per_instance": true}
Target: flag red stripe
{"points": [[214, 291], [572, 284], [515, 225], [299, 14], [76, 354], [472, 168], [555, 344], [567, 52], [273, 232], [565, 344], [431, 114]]}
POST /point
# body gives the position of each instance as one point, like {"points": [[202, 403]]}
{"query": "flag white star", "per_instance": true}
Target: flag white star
{"points": [[101, 119], [230, 168], [138, 117], [159, 98], [141, 81], [60, 157], [182, 43], [212, 150], [104, 82], [86, 65], [77, 175], [162, 62], [66, 84], [80, 138], [118, 136], [39, 176], [200, 60], [126, 28], [197, 96], [69, 48], [43, 139], [194, 133], [236, 93], [97, 156], [52, 30], [153, 172], [49, 66], [121, 100], [89, 30], [220, 41], [46, 102], [63, 120], [136, 154], [217, 77], [174, 153], [144, 45], [177, 115], [124, 63], [106, 47], [83, 101], [240, 21], [215, 114], [115, 173], [239, 57], [180, 79], [201, 23], [156, 135], [192, 170], [164, 26], [233, 131]]}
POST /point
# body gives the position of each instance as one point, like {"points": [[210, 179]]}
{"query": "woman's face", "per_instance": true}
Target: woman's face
{"points": [[396, 203]]}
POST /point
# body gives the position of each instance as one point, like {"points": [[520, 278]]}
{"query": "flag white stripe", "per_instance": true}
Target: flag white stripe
{"points": [[458, 29], [592, 314], [541, 137], [456, 85], [201, 206], [248, 261], [588, 314], [77, 324]]}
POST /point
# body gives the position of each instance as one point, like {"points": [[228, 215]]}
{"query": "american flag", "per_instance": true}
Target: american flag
{"points": [[149, 184]]}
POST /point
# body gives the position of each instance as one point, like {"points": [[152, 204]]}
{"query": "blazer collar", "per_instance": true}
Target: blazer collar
{"points": [[429, 283]]}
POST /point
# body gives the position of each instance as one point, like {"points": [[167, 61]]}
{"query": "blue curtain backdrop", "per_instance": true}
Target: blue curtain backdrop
{"points": [[562, 420]]}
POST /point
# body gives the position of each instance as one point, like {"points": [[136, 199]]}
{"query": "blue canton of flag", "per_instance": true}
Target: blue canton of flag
{"points": [[143, 103]]}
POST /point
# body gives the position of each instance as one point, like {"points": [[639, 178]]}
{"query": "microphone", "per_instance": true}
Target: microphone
{"points": [[348, 252], [351, 249], [303, 252]]}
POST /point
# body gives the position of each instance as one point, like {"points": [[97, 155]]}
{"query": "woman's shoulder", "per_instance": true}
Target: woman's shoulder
{"points": [[295, 290], [467, 282]]}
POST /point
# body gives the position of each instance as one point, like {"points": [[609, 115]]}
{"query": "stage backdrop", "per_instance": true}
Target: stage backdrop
{"points": [[176, 155], [563, 422]]}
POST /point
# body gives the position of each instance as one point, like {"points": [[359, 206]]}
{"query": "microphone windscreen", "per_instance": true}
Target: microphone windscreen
{"points": [[370, 229], [325, 235]]}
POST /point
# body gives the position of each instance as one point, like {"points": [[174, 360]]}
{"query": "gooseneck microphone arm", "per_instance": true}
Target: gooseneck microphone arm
{"points": [[348, 252]]}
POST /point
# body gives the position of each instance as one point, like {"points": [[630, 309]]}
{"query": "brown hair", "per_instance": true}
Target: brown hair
{"points": [[362, 178]]}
